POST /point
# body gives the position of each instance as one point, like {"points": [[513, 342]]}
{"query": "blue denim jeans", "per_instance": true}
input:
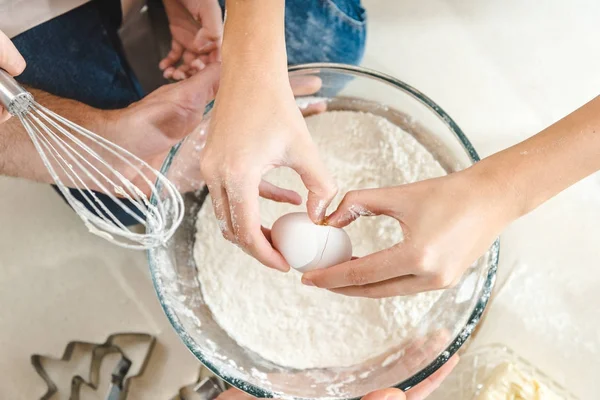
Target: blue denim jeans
{"points": [[78, 55]]}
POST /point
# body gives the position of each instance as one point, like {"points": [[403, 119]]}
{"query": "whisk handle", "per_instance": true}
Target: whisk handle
{"points": [[13, 96]]}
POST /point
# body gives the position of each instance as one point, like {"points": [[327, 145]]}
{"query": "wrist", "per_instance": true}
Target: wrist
{"points": [[106, 123], [501, 194], [254, 39]]}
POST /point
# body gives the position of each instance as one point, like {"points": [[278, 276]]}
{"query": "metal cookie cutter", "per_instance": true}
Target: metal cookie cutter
{"points": [[119, 380], [206, 387]]}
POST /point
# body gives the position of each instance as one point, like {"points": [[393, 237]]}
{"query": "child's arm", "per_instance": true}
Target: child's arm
{"points": [[449, 222]]}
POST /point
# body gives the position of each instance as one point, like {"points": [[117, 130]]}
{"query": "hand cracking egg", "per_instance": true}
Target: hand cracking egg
{"points": [[307, 246]]}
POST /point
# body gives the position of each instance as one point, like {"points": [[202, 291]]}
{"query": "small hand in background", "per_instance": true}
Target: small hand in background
{"points": [[197, 32], [448, 223], [12, 62]]}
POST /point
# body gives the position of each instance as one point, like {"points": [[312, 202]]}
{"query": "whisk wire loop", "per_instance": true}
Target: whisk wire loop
{"points": [[73, 157]]}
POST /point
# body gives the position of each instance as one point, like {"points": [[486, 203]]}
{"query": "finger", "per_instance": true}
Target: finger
{"points": [[208, 81], [173, 57], [431, 383], [205, 58], [181, 72], [357, 203], [179, 75], [10, 59], [4, 115], [183, 68], [245, 220], [204, 44], [198, 64], [210, 16], [400, 286], [382, 265], [316, 178], [313, 109], [168, 72], [386, 394], [214, 56], [220, 204], [200, 88], [188, 57], [305, 85], [269, 191], [191, 95], [267, 233]]}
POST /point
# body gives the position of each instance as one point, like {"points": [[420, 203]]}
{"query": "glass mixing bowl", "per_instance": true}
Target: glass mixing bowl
{"points": [[434, 340]]}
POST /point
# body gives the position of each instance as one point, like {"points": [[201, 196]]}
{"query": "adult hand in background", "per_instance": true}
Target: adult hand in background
{"points": [[12, 62], [197, 32], [147, 128], [256, 126], [419, 392], [150, 127], [448, 223]]}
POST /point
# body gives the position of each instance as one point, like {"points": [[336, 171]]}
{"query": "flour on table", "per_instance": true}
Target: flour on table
{"points": [[273, 313]]}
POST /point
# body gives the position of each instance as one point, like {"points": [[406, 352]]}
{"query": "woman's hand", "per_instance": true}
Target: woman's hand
{"points": [[448, 223], [255, 128], [197, 32], [12, 62]]}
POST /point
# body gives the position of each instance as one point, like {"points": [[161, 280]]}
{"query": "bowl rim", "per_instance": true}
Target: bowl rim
{"points": [[494, 250]]}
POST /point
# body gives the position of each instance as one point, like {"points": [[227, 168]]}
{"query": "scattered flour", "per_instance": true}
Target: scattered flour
{"points": [[272, 313]]}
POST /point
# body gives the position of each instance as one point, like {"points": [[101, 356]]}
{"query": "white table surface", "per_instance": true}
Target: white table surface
{"points": [[502, 69]]}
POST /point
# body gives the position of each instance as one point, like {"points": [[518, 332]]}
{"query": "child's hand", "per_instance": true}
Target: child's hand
{"points": [[448, 223], [197, 31], [255, 127]]}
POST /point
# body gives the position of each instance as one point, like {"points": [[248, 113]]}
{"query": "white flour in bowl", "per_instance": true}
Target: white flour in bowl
{"points": [[272, 313]]}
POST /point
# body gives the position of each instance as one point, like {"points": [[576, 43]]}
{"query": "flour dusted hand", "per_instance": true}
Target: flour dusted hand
{"points": [[447, 227], [449, 222], [255, 129]]}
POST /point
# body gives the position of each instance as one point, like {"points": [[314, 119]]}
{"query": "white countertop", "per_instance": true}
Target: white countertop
{"points": [[502, 69]]}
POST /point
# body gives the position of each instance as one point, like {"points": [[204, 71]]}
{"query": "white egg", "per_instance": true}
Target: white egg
{"points": [[307, 246]]}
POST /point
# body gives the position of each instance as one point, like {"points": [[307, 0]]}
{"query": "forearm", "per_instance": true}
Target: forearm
{"points": [[254, 40], [18, 156], [544, 165]]}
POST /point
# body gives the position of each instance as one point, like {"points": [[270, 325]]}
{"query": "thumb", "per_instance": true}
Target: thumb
{"points": [[361, 203], [205, 82], [321, 186], [4, 115], [10, 58], [195, 92], [209, 14]]}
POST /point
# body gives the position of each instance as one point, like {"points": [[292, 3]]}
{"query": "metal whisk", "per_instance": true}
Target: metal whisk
{"points": [[70, 153]]}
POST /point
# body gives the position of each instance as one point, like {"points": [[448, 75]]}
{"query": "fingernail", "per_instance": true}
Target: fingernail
{"points": [[307, 282], [20, 66], [281, 268]]}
